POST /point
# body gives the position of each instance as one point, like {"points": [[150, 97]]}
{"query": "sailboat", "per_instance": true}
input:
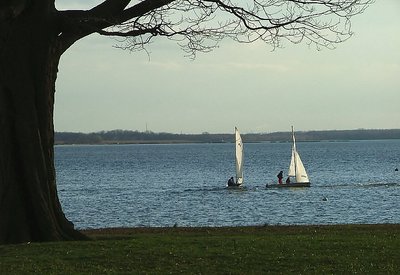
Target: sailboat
{"points": [[297, 175], [239, 161]]}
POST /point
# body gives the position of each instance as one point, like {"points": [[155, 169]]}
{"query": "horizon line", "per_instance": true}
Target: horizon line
{"points": [[221, 133]]}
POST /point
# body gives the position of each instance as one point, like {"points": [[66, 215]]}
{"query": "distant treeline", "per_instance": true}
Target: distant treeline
{"points": [[126, 137]]}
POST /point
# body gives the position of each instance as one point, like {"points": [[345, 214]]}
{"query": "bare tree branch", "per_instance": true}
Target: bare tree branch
{"points": [[77, 24], [199, 25]]}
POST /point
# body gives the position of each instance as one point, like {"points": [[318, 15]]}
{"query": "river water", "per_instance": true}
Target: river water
{"points": [[185, 184]]}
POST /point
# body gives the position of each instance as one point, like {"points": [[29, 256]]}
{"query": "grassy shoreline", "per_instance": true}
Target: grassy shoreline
{"points": [[337, 249]]}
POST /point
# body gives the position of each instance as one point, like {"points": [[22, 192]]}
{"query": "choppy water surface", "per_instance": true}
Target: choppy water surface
{"points": [[163, 185]]}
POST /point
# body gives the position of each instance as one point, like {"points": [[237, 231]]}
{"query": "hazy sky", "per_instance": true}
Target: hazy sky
{"points": [[357, 85]]}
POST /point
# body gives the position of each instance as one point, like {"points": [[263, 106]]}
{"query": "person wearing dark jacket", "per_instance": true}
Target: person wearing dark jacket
{"points": [[280, 177]]}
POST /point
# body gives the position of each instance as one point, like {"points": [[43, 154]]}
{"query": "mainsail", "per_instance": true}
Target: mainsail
{"points": [[296, 167], [239, 157]]}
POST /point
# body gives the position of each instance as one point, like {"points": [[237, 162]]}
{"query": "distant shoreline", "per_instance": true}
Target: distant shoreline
{"points": [[136, 137]]}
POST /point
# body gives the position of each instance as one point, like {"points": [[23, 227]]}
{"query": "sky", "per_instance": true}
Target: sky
{"points": [[356, 85]]}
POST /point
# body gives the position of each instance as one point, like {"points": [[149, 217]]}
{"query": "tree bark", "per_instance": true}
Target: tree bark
{"points": [[33, 36], [29, 206]]}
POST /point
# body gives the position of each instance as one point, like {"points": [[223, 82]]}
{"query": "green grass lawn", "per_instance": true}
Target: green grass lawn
{"points": [[372, 249]]}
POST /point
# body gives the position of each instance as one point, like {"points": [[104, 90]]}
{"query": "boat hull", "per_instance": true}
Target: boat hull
{"points": [[288, 185], [235, 185]]}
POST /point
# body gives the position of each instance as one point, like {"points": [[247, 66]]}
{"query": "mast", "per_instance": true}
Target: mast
{"points": [[294, 151], [292, 165]]}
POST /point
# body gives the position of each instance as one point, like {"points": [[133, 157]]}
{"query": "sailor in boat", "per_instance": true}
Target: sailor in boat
{"points": [[280, 177], [231, 182], [288, 180]]}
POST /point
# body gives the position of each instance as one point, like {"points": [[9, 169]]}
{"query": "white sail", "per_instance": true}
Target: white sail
{"points": [[292, 166], [301, 174], [239, 157], [296, 167]]}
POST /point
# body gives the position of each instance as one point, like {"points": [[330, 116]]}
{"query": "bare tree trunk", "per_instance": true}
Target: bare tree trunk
{"points": [[29, 206]]}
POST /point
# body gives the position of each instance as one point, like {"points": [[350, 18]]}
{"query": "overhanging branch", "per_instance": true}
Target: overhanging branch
{"points": [[200, 25], [78, 24]]}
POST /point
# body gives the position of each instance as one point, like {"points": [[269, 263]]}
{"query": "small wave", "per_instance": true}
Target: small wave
{"points": [[378, 184], [360, 184], [205, 189]]}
